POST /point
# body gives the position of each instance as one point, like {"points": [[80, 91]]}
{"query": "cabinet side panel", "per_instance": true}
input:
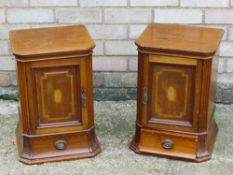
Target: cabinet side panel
{"points": [[144, 88], [205, 106], [89, 81], [139, 88], [214, 73]]}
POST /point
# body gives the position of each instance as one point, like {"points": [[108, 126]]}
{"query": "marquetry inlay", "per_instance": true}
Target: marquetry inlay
{"points": [[171, 93], [47, 89], [57, 96]]}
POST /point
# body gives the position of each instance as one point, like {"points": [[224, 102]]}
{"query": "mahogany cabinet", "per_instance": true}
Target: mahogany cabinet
{"points": [[54, 69], [176, 88]]}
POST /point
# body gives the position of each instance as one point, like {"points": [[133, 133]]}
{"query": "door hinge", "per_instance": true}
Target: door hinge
{"points": [[145, 95]]}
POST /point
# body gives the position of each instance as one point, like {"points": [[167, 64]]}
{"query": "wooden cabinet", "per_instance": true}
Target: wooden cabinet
{"points": [[54, 68], [176, 87]]}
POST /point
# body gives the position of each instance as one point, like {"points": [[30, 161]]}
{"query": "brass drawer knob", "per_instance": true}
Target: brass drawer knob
{"points": [[167, 144], [60, 144]]}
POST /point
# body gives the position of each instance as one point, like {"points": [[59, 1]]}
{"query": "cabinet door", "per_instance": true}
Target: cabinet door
{"points": [[57, 91], [172, 93]]}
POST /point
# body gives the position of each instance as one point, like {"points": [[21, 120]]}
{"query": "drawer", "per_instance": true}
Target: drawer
{"points": [[168, 144], [59, 145]]}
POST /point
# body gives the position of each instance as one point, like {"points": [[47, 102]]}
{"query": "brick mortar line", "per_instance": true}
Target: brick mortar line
{"points": [[104, 72], [89, 23], [111, 24], [128, 38], [104, 48], [179, 3], [134, 57], [9, 71], [94, 71], [153, 14], [226, 58], [33, 23], [103, 15], [203, 16], [6, 16], [120, 40], [223, 73], [56, 21], [112, 55], [224, 65], [122, 56], [110, 72], [8, 57], [114, 24], [195, 8], [128, 64], [120, 87], [115, 56], [118, 7], [117, 71], [154, 6], [128, 32], [227, 31], [206, 7]]}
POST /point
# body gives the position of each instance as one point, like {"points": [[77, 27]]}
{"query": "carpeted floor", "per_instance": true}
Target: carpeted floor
{"points": [[115, 128]]}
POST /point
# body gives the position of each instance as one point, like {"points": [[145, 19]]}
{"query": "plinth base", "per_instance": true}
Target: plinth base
{"points": [[196, 147], [38, 149]]}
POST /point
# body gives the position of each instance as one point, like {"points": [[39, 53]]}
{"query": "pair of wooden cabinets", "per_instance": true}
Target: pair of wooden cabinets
{"points": [[175, 92]]}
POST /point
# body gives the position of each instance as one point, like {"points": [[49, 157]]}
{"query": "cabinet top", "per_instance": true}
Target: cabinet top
{"points": [[51, 41], [183, 39]]}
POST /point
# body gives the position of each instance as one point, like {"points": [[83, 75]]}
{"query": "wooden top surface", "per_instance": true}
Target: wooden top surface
{"points": [[182, 38], [50, 40]]}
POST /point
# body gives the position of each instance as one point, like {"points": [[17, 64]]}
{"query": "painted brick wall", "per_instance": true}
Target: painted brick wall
{"points": [[114, 24]]}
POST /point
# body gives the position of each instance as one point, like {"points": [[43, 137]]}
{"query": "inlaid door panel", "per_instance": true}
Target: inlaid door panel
{"points": [[58, 94], [56, 90], [171, 92]]}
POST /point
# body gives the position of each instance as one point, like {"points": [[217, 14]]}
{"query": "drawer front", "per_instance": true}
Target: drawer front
{"points": [[58, 95], [168, 144], [173, 92], [59, 145]]}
